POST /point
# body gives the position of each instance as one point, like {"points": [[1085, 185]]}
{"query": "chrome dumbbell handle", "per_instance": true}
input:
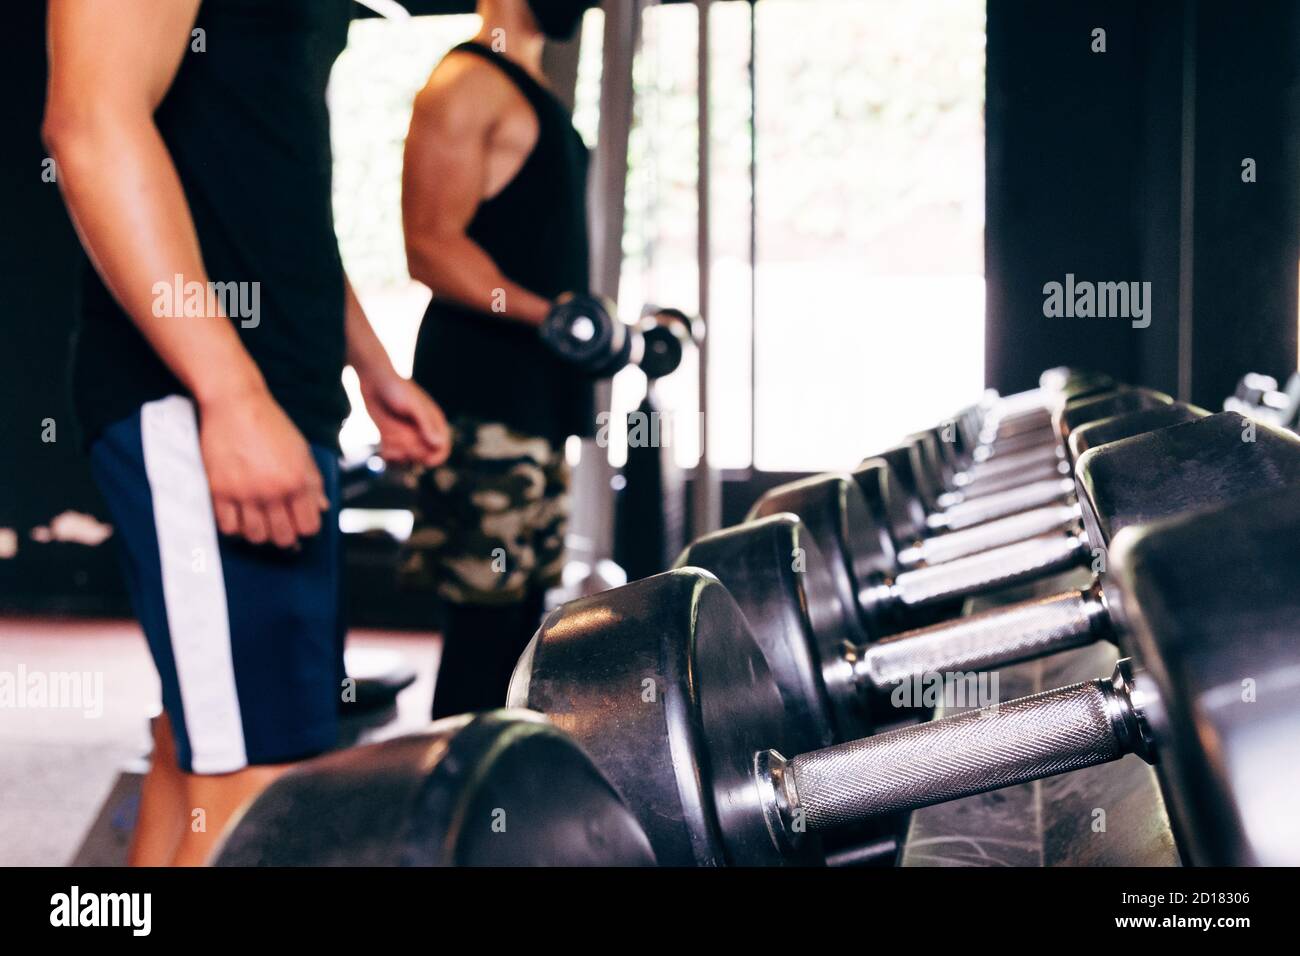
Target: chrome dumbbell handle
{"points": [[983, 487], [990, 639], [992, 534], [990, 507], [978, 573], [993, 466], [998, 746], [1022, 431]]}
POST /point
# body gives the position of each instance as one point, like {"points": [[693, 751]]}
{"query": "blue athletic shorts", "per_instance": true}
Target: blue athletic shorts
{"points": [[248, 640]]}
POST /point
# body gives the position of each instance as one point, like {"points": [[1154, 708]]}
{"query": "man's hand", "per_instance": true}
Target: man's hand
{"points": [[265, 484], [412, 428]]}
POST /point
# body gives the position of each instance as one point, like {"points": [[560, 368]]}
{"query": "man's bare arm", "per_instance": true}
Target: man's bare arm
{"points": [[110, 66], [412, 428], [442, 184]]}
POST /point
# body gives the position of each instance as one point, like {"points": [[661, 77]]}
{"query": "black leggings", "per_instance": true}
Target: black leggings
{"points": [[480, 645]]}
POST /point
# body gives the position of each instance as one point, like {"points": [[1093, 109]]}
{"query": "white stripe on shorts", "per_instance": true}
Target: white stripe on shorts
{"points": [[194, 588]]}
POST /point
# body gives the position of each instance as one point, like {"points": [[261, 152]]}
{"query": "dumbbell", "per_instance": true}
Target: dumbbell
{"points": [[662, 684], [853, 522], [1022, 422], [955, 487], [496, 789], [836, 685], [926, 469], [1004, 427], [1259, 396], [963, 458], [668, 333], [1013, 513], [1017, 415], [917, 545], [584, 331]]}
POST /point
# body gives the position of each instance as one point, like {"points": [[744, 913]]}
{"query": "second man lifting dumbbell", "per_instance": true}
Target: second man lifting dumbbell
{"points": [[495, 218]]}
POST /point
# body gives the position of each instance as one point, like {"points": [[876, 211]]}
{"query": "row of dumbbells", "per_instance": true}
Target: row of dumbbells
{"points": [[736, 710]]}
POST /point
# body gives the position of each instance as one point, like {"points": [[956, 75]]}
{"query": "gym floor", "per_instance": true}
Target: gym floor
{"points": [[58, 765]]}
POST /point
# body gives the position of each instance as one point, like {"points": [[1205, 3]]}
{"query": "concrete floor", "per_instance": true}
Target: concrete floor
{"points": [[57, 765]]}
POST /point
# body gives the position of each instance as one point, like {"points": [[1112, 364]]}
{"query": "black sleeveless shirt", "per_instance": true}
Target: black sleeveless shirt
{"points": [[246, 124], [492, 368]]}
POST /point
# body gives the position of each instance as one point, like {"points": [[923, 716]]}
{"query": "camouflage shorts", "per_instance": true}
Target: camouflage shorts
{"points": [[490, 523]]}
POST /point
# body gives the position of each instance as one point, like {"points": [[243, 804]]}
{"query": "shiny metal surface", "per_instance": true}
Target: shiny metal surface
{"points": [[887, 502], [783, 585], [661, 684], [986, 508], [858, 545], [983, 486], [1111, 429], [993, 534], [1112, 814], [1182, 468], [987, 640], [433, 799], [1051, 733], [910, 523], [998, 567], [998, 465], [1211, 603], [1120, 401]]}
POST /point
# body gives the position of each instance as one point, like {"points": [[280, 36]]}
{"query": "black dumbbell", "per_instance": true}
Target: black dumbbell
{"points": [[1021, 422], [853, 520], [955, 485], [1004, 516], [668, 333], [584, 331], [918, 544], [836, 684], [497, 789], [662, 684], [924, 470]]}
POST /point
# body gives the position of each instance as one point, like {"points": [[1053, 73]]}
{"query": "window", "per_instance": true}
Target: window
{"points": [[371, 91], [870, 290], [866, 318]]}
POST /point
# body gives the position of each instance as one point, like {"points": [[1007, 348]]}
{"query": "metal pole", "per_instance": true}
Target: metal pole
{"points": [[593, 496], [706, 493], [753, 231]]}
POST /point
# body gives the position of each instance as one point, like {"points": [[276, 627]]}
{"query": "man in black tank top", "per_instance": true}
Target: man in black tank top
{"points": [[494, 209], [192, 144]]}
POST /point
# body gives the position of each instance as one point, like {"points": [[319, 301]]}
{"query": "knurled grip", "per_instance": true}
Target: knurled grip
{"points": [[989, 570], [1026, 739], [995, 534], [990, 639], [988, 507]]}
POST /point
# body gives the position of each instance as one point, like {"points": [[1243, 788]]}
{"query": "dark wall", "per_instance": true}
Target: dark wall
{"points": [[38, 253], [1245, 237], [1126, 166], [1062, 139]]}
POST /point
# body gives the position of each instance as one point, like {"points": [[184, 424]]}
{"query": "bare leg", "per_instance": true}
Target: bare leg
{"points": [[161, 819], [211, 802]]}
